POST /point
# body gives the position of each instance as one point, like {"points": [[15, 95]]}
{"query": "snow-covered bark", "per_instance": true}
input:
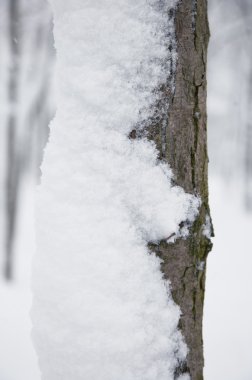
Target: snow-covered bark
{"points": [[184, 262], [101, 308]]}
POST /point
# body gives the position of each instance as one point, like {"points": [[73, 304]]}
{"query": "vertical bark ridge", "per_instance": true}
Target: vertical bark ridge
{"points": [[184, 262]]}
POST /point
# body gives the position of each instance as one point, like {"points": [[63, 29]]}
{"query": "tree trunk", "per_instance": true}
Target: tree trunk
{"points": [[29, 104], [184, 146], [13, 162], [246, 12]]}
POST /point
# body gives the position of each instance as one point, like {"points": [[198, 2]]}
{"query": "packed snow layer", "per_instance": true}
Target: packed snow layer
{"points": [[101, 308]]}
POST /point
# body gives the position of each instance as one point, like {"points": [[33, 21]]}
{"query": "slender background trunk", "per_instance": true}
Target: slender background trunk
{"points": [[29, 104], [184, 146], [13, 162]]}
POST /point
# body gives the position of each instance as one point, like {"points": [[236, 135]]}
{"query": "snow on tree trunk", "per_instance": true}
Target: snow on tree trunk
{"points": [[101, 308]]}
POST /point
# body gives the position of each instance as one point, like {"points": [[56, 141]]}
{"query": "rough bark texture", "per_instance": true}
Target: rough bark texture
{"points": [[185, 149]]}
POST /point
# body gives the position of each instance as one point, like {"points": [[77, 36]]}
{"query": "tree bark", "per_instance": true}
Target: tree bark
{"points": [[183, 144]]}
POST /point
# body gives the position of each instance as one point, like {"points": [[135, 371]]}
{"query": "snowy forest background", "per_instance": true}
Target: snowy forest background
{"points": [[27, 104]]}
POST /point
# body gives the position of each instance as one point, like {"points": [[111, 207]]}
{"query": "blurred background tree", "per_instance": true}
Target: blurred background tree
{"points": [[230, 93], [26, 64]]}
